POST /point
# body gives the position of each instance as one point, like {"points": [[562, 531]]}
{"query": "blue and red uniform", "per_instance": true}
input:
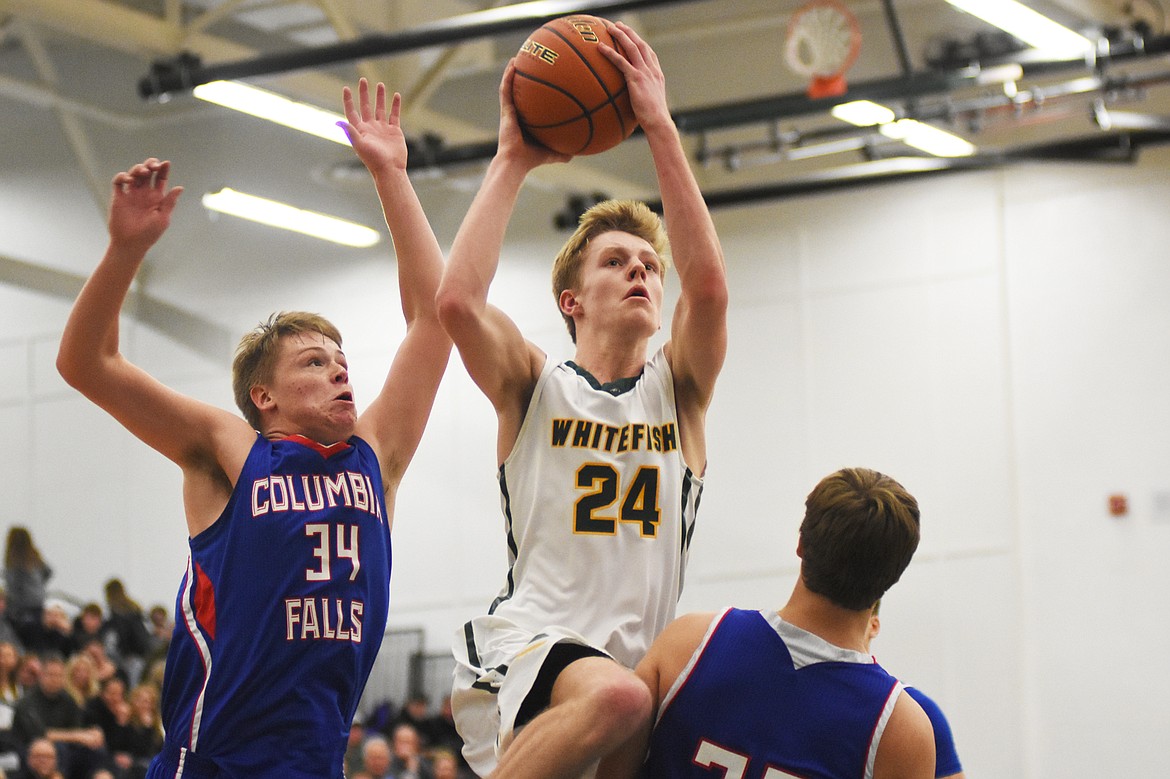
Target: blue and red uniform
{"points": [[761, 698], [279, 617]]}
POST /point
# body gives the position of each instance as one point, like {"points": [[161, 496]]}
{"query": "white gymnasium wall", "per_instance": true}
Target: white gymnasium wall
{"points": [[997, 341]]}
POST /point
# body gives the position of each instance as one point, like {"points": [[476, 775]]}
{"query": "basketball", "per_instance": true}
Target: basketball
{"points": [[568, 96]]}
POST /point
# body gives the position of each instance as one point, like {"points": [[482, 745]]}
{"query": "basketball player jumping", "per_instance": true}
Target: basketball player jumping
{"points": [[600, 459], [284, 603], [794, 692]]}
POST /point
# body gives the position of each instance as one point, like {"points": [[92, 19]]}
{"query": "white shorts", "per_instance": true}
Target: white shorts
{"points": [[496, 665]]}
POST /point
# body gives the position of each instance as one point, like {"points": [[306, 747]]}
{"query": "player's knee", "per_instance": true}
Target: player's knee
{"points": [[624, 703]]}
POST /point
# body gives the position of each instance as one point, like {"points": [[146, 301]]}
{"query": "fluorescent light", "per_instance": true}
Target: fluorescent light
{"points": [[286, 217], [862, 113], [1027, 25], [929, 139], [275, 108]]}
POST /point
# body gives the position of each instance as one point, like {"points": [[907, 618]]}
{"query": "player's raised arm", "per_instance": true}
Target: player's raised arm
{"points": [[197, 436], [699, 331], [499, 359], [394, 422]]}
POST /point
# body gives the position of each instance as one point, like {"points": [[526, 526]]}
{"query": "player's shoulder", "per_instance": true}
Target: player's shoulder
{"points": [[907, 744]]}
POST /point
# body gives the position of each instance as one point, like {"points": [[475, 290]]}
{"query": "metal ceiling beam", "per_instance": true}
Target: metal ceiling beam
{"points": [[923, 83], [186, 71], [184, 327]]}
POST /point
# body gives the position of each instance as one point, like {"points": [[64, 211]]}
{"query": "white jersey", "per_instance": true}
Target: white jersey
{"points": [[599, 509]]}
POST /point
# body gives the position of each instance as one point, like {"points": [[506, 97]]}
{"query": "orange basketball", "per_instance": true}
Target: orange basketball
{"points": [[568, 96]]}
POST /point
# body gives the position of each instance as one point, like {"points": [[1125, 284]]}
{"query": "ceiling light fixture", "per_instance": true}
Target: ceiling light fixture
{"points": [[928, 138], [863, 113], [286, 217], [275, 108], [1031, 27]]}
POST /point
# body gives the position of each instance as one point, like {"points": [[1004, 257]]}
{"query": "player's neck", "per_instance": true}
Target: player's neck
{"points": [[610, 359], [818, 615]]}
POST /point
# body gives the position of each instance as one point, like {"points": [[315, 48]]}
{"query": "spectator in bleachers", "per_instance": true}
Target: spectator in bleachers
{"points": [[81, 679], [9, 692], [445, 765], [408, 761], [52, 634], [127, 626], [416, 712], [111, 712], [87, 626], [8, 632], [104, 667], [376, 757], [9, 666], [41, 761], [28, 672], [161, 628], [26, 576], [146, 735], [443, 734], [47, 710], [353, 760]]}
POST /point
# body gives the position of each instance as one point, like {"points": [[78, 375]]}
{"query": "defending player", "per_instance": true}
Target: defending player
{"points": [[600, 459], [284, 603], [794, 692], [946, 758]]}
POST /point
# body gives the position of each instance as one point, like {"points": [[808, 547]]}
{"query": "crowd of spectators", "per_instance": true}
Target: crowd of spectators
{"points": [[79, 686], [411, 742]]}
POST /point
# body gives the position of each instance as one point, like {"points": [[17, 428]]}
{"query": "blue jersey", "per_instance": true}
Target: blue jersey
{"points": [[946, 758], [279, 617], [762, 699]]}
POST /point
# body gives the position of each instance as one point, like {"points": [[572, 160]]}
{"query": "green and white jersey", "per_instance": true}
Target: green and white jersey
{"points": [[599, 509]]}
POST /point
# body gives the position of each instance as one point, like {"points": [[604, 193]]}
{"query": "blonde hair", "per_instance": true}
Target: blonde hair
{"points": [[256, 353], [627, 216], [92, 686]]}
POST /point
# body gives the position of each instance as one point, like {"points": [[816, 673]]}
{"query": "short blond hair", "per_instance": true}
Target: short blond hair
{"points": [[627, 216], [255, 358]]}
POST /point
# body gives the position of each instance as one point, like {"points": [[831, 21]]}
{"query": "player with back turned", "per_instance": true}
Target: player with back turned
{"points": [[793, 692], [600, 458], [283, 607]]}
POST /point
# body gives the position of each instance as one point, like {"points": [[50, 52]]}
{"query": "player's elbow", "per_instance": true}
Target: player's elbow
{"points": [[71, 368], [456, 310]]}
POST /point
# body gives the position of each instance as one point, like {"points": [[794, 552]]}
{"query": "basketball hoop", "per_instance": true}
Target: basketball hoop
{"points": [[823, 41]]}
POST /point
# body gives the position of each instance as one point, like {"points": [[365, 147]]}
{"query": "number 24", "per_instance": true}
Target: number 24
{"points": [[640, 504]]}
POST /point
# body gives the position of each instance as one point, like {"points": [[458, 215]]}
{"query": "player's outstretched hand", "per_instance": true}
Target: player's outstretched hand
{"points": [[644, 78], [513, 143], [140, 210], [375, 134]]}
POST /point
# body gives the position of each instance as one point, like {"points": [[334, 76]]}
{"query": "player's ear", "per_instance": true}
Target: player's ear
{"points": [[568, 302], [261, 398]]}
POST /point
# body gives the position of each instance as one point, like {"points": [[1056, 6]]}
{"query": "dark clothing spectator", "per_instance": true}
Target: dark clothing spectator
{"points": [[127, 637], [47, 710], [51, 635], [38, 712], [87, 626]]}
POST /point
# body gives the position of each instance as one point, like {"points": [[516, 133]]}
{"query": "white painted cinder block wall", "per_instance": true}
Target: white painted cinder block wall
{"points": [[997, 341]]}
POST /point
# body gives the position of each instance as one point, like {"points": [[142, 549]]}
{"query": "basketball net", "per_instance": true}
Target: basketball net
{"points": [[822, 42]]}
